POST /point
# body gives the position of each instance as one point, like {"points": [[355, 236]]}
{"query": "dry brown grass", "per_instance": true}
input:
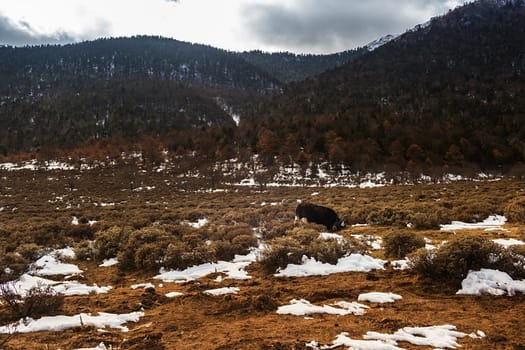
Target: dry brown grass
{"points": [[139, 225]]}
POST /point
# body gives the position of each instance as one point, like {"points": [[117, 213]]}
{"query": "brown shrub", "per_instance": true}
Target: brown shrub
{"points": [[79, 232], [245, 242], [275, 228], [282, 251], [452, 261], [290, 249], [39, 300], [429, 219], [399, 244], [179, 255], [109, 242], [30, 251], [140, 245], [329, 250], [515, 210], [389, 217], [85, 250], [12, 266]]}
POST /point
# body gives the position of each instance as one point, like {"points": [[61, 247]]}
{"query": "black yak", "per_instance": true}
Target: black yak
{"points": [[320, 215]]}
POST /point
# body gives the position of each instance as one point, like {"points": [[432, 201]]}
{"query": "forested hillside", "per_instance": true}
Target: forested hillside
{"points": [[288, 67], [449, 94], [57, 96]]}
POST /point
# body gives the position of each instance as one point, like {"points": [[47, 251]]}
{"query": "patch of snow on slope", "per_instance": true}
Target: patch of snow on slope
{"points": [[352, 262], [377, 297], [303, 307], [488, 281], [493, 222], [50, 265], [222, 291], [508, 242], [68, 288], [60, 323], [371, 46], [442, 337], [233, 269]]}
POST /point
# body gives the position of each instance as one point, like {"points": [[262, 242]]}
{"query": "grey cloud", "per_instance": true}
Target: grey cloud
{"points": [[18, 34], [334, 25]]}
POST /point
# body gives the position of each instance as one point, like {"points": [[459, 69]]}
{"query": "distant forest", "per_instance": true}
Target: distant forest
{"points": [[445, 97]]}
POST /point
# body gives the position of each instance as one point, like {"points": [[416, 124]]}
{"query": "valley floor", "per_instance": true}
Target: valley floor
{"points": [[52, 203]]}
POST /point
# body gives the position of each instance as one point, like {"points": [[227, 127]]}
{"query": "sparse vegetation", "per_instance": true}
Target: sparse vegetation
{"points": [[515, 210], [451, 262], [150, 229], [38, 301], [399, 244]]}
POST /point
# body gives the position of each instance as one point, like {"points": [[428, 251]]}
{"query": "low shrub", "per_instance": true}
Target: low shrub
{"points": [[515, 210], [452, 261], [282, 251], [329, 250], [428, 220], [137, 251], [12, 266], [290, 249], [389, 217], [30, 251], [399, 244], [81, 231], [108, 242], [85, 250], [179, 255], [275, 228], [38, 301]]}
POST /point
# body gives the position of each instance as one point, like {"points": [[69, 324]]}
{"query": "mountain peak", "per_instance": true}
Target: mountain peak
{"points": [[371, 46]]}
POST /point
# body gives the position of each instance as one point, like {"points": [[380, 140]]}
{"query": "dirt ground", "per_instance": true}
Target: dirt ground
{"points": [[248, 320]]}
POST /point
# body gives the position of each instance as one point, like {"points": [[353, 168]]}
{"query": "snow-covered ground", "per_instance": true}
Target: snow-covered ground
{"points": [[60, 323], [232, 270], [303, 307], [352, 262], [323, 175], [493, 222], [488, 281], [439, 337]]}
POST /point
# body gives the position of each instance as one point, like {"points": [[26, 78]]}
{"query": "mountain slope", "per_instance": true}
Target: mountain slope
{"points": [[288, 67], [61, 95], [449, 93]]}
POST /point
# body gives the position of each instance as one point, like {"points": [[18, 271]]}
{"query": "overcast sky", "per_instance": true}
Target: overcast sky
{"points": [[300, 26]]}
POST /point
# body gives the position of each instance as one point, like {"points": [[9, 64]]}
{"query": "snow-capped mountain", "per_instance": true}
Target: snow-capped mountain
{"points": [[371, 46]]}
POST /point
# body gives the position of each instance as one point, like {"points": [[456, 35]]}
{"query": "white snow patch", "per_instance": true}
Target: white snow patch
{"points": [[142, 285], [380, 42], [334, 236], [174, 294], [109, 262], [74, 220], [303, 307], [375, 242], [196, 224], [100, 346], [488, 281], [68, 288], [400, 264], [222, 291], [493, 222], [60, 323], [352, 262], [378, 297], [439, 337], [233, 270], [49, 265], [508, 242]]}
